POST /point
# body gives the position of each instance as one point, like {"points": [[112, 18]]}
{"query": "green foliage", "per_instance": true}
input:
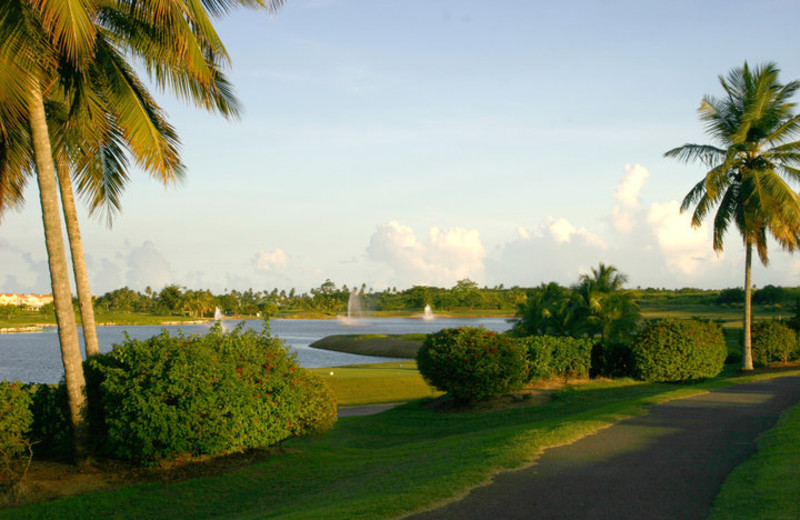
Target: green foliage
{"points": [[51, 430], [546, 311], [318, 411], [734, 296], [596, 306], [472, 363], [794, 321], [212, 394], [770, 294], [773, 341], [564, 357], [679, 350], [612, 359], [15, 425]]}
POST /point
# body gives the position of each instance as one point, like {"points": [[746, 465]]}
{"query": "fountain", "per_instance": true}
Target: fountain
{"points": [[427, 314], [354, 313], [218, 317]]}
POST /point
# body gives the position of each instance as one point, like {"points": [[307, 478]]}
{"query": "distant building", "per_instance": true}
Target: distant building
{"points": [[32, 302]]}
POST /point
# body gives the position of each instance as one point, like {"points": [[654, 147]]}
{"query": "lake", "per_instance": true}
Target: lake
{"points": [[35, 357]]}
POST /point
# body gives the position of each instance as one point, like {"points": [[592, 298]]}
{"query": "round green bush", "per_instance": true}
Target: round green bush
{"points": [[203, 395], [15, 425], [773, 341], [472, 363], [679, 350]]}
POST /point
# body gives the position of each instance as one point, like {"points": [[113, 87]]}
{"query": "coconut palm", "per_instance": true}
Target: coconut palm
{"points": [[754, 157], [600, 306], [546, 311], [55, 49]]}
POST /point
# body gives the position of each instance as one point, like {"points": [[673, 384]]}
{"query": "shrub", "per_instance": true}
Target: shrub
{"points": [[15, 424], [51, 430], [472, 363], [316, 408], [773, 341], [614, 360], [679, 350], [212, 394], [558, 356]]}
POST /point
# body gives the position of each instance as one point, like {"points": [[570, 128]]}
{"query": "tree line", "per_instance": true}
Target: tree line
{"points": [[465, 295]]}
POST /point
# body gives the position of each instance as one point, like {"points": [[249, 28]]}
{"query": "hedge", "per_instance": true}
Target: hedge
{"points": [[557, 356]]}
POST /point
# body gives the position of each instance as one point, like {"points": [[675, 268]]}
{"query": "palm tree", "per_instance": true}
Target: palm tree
{"points": [[600, 306], [55, 49], [754, 157], [34, 38], [546, 311]]}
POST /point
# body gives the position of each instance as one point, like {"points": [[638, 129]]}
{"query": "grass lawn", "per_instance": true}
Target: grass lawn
{"points": [[767, 486], [380, 466], [377, 383]]}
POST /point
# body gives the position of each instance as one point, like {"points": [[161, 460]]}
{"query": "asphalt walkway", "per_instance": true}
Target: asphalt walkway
{"points": [[668, 464]]}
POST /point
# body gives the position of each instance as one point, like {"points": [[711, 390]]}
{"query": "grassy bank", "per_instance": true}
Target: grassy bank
{"points": [[380, 466], [384, 345], [32, 318], [767, 486]]}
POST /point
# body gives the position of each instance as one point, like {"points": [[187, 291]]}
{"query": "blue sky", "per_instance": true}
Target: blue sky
{"points": [[421, 142]]}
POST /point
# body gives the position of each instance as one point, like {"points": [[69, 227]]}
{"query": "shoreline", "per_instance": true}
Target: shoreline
{"points": [[39, 327]]}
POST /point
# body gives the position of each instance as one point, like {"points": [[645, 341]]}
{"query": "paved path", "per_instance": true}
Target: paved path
{"points": [[668, 464]]}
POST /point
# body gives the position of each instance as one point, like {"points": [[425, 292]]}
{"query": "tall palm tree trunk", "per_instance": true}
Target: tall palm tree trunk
{"points": [[747, 350], [59, 273], [78, 260]]}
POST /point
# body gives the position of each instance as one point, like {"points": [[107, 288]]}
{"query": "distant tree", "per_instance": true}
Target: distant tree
{"points": [[770, 294], [466, 293], [418, 297], [755, 154], [731, 296], [169, 298], [9, 311]]}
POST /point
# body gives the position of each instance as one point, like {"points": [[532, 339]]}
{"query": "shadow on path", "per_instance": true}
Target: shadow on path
{"points": [[668, 464]]}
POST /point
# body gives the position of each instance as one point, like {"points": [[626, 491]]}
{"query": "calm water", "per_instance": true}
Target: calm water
{"points": [[35, 356]]}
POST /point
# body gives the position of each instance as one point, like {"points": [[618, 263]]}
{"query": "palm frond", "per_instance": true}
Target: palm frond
{"points": [[70, 26], [703, 153]]}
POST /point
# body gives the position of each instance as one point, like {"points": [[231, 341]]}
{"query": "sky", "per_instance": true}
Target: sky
{"points": [[427, 141]]}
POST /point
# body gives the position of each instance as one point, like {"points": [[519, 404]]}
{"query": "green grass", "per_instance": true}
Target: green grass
{"points": [[767, 486], [377, 383], [31, 318], [380, 466]]}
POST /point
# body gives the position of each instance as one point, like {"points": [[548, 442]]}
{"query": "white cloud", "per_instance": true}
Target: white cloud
{"points": [[563, 231], [448, 256], [623, 215], [686, 251], [273, 261], [147, 267], [556, 250]]}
